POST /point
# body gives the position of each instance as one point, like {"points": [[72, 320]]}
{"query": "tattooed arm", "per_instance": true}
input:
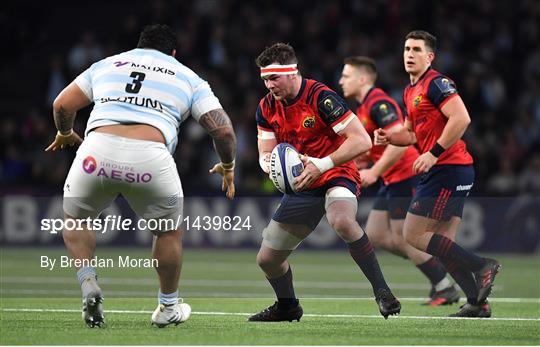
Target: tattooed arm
{"points": [[63, 120], [65, 106], [218, 125]]}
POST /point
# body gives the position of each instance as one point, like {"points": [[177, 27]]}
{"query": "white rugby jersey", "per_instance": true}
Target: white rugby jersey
{"points": [[145, 86]]}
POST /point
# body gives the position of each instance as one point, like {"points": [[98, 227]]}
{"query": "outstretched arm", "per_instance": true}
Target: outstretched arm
{"points": [[218, 125]]}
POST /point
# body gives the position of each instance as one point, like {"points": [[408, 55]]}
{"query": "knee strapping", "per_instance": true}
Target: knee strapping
{"points": [[277, 238], [340, 194]]}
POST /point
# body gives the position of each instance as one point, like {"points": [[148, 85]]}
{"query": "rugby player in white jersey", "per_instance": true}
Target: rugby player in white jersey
{"points": [[140, 99]]}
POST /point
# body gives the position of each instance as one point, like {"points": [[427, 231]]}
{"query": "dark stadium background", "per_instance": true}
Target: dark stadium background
{"points": [[490, 48]]}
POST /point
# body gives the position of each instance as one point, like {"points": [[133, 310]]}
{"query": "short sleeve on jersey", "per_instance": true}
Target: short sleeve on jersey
{"points": [[84, 81], [383, 113], [331, 106], [203, 100], [440, 89], [261, 121]]}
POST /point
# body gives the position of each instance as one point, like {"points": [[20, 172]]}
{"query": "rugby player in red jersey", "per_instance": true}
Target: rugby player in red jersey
{"points": [[394, 165], [318, 123], [436, 120]]}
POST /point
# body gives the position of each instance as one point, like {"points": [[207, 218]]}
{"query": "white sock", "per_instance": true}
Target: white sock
{"points": [[88, 280], [443, 284], [85, 272], [168, 299]]}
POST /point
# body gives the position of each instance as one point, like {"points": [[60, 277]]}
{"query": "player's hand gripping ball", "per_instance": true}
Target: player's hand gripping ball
{"points": [[285, 166]]}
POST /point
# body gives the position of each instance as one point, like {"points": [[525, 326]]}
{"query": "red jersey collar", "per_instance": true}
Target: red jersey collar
{"points": [[300, 92], [421, 77], [367, 94]]}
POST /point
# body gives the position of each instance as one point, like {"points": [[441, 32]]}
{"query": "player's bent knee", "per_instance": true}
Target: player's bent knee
{"points": [[378, 237], [399, 244], [378, 242], [264, 260], [410, 236], [270, 261], [70, 236], [342, 222], [74, 235], [277, 238], [341, 207]]}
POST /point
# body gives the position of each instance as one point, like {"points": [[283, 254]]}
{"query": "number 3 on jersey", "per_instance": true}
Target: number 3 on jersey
{"points": [[136, 84]]}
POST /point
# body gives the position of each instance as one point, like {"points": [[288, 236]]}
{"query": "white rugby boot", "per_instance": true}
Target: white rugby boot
{"points": [[171, 314]]}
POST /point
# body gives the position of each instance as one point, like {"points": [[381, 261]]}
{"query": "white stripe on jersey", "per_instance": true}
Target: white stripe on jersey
{"points": [[145, 86]]}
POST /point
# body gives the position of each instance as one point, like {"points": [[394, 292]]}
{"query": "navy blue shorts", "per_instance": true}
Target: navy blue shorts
{"points": [[307, 207], [396, 197], [441, 192]]}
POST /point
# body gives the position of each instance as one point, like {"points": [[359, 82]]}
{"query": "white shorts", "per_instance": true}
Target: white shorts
{"points": [[106, 165]]}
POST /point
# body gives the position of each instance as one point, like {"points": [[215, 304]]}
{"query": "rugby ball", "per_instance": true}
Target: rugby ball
{"points": [[285, 166]]}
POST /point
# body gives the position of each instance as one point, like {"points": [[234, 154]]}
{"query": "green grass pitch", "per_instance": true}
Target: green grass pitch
{"points": [[38, 306]]}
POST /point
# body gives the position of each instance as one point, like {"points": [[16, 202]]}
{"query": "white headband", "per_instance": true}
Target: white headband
{"points": [[277, 69]]}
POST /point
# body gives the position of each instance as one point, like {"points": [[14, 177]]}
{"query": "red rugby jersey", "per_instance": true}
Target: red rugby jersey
{"points": [[423, 101], [310, 123], [378, 110]]}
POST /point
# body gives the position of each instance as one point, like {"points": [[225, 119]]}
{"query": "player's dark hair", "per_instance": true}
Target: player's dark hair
{"points": [[280, 53], [158, 36], [429, 40], [366, 63]]}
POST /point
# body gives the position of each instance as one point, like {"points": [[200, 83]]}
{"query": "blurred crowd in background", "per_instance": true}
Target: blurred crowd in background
{"points": [[491, 49]]}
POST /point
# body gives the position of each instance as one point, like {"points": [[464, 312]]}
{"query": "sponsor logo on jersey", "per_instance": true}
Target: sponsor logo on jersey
{"points": [[121, 63], [154, 68], [144, 67], [463, 187], [308, 122], [89, 164], [135, 100], [417, 100]]}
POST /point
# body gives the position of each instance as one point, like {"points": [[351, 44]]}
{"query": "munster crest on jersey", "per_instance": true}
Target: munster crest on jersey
{"points": [[308, 122], [417, 100]]}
